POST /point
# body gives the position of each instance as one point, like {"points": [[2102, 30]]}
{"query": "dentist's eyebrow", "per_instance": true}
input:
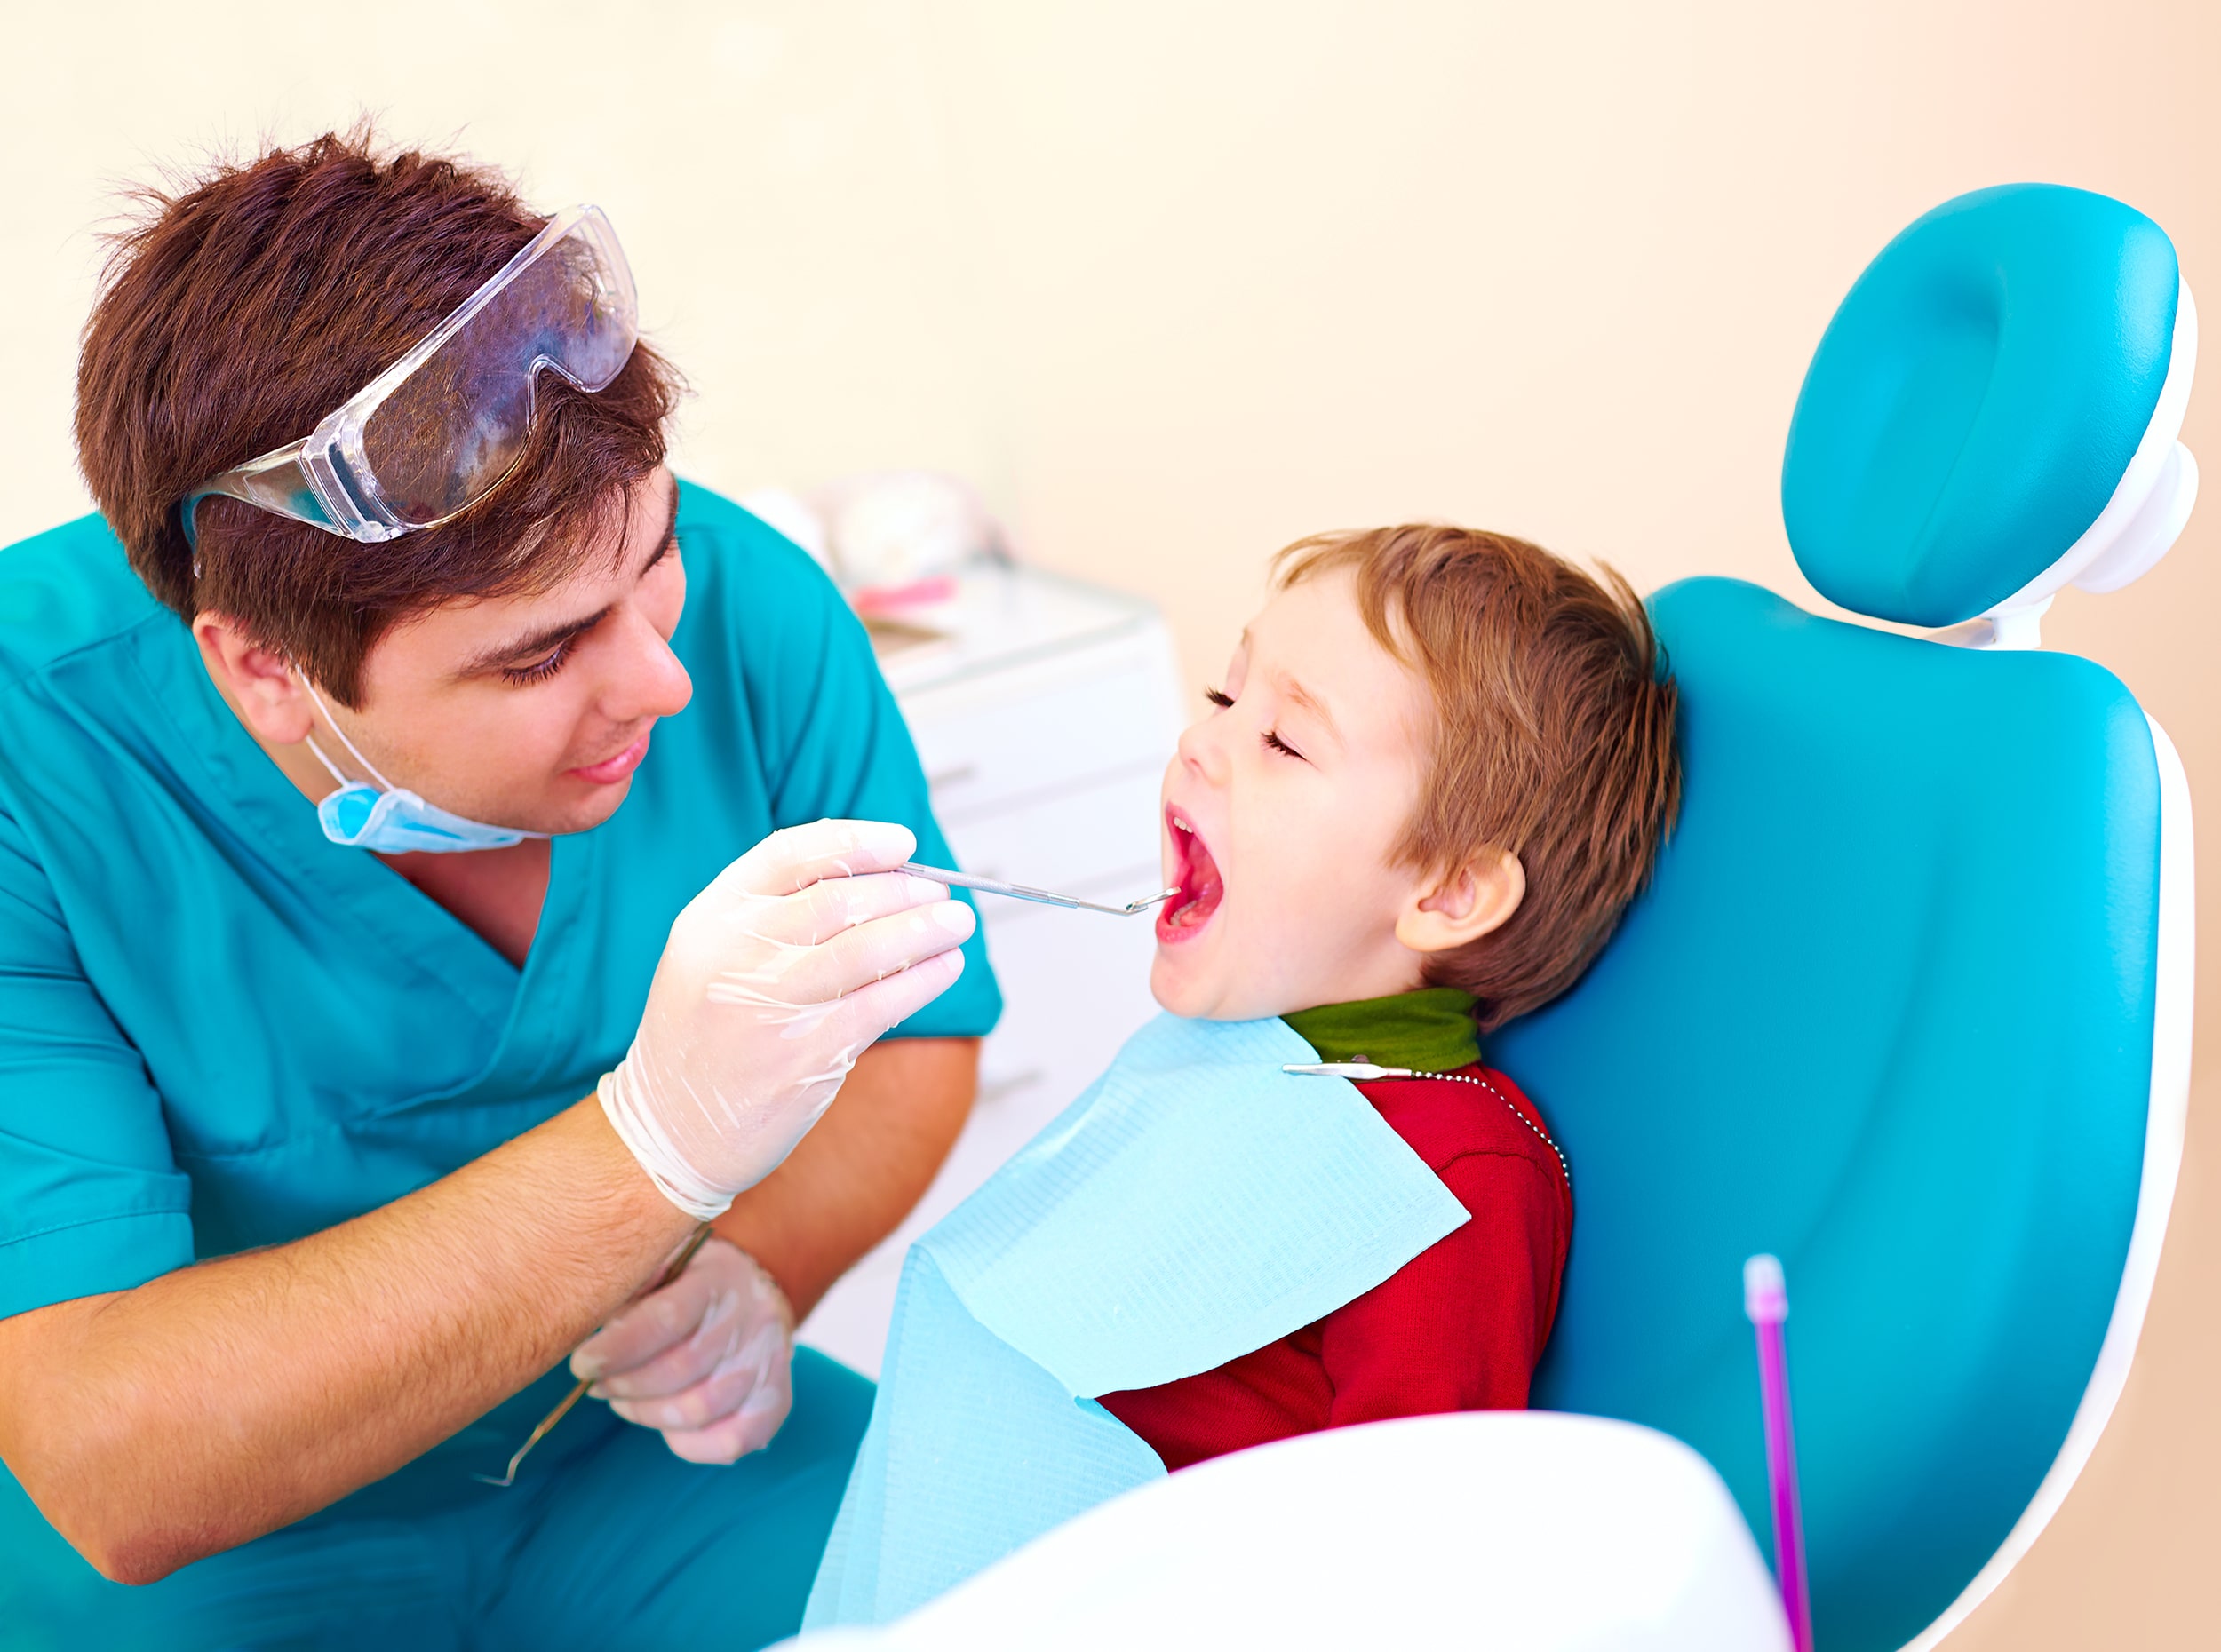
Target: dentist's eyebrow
{"points": [[538, 644]]}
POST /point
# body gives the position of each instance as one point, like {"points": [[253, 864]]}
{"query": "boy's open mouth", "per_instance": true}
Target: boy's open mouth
{"points": [[1198, 878]]}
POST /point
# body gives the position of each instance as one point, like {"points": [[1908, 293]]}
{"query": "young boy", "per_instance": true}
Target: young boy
{"points": [[1439, 767]]}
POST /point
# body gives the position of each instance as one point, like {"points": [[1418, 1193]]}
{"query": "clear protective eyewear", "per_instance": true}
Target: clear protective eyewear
{"points": [[446, 425]]}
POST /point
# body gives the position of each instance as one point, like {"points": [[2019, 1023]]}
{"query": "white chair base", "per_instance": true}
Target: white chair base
{"points": [[1519, 1531]]}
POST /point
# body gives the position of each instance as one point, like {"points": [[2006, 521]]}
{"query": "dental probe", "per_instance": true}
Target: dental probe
{"points": [[1021, 891]]}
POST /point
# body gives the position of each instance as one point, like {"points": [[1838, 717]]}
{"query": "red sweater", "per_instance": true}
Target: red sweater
{"points": [[1458, 1328]]}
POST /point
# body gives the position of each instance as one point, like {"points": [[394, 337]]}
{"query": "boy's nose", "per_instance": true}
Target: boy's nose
{"points": [[1203, 751]]}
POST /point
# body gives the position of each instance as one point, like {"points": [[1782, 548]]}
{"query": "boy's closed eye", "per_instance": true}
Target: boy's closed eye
{"points": [[1220, 698]]}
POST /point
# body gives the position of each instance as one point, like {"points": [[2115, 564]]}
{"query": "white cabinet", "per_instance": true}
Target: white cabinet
{"points": [[1044, 724]]}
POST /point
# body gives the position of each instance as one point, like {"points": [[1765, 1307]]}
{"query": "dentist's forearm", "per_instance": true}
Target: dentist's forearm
{"points": [[156, 1426]]}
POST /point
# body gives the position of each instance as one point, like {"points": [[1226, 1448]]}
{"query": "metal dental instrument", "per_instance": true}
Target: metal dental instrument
{"points": [[1020, 892], [678, 1266]]}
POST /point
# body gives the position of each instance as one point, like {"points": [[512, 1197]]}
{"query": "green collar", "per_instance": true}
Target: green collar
{"points": [[1430, 1030]]}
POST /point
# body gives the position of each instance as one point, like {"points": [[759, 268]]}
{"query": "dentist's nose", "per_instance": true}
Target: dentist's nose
{"points": [[650, 682]]}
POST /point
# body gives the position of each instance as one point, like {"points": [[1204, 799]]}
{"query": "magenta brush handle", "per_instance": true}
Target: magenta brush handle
{"points": [[1766, 1298]]}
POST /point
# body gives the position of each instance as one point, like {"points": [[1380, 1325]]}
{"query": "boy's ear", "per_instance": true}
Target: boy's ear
{"points": [[1477, 897]]}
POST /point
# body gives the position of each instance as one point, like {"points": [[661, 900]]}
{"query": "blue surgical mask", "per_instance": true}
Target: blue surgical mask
{"points": [[392, 820]]}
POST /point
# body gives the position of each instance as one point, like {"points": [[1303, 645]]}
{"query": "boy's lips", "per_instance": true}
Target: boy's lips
{"points": [[1200, 887]]}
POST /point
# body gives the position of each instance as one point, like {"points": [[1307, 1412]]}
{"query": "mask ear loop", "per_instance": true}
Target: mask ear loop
{"points": [[353, 750], [331, 766]]}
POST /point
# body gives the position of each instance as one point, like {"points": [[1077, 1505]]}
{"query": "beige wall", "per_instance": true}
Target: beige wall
{"points": [[1175, 283]]}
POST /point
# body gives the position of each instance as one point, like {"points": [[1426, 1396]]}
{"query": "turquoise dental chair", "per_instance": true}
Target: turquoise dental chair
{"points": [[1908, 1003]]}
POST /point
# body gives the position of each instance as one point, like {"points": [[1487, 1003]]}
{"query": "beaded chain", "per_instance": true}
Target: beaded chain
{"points": [[1540, 1135]]}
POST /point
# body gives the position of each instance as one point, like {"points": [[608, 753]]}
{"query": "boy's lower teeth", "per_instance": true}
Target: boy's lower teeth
{"points": [[1187, 910]]}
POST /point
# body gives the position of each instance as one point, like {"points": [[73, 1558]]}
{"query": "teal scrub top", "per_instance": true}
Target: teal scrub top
{"points": [[220, 1031]]}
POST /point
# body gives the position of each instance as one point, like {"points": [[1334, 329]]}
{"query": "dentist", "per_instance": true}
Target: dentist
{"points": [[444, 861]]}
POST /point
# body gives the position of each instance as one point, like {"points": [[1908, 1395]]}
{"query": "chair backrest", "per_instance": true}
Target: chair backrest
{"points": [[1888, 1009]]}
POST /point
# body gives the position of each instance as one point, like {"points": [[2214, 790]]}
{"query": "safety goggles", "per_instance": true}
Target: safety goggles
{"points": [[447, 423]]}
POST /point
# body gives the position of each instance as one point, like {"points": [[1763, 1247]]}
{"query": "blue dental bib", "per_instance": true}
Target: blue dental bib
{"points": [[1193, 1204]]}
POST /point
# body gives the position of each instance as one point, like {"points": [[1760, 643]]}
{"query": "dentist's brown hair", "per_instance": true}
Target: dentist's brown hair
{"points": [[244, 305], [1554, 737]]}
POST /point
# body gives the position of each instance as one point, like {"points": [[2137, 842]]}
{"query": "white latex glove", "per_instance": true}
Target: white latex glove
{"points": [[775, 978], [705, 1359]]}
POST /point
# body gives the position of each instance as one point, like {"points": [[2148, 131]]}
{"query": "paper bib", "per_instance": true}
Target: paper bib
{"points": [[1195, 1203]]}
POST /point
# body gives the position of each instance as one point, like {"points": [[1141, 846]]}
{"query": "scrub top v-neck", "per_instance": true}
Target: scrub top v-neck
{"points": [[220, 1031]]}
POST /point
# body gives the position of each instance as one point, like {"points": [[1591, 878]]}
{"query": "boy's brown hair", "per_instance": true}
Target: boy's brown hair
{"points": [[240, 310], [1555, 739]]}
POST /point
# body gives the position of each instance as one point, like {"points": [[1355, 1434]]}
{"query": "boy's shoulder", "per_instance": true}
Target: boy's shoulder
{"points": [[1474, 1110]]}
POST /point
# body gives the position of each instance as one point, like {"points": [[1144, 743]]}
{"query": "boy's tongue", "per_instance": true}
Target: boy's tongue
{"points": [[1200, 884]]}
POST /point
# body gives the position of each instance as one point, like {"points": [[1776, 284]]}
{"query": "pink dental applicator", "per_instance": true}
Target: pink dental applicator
{"points": [[1766, 1302]]}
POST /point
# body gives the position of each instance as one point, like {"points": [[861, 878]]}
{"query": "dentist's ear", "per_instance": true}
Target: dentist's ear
{"points": [[260, 682], [1477, 897]]}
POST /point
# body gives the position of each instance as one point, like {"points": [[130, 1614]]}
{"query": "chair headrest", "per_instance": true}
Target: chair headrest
{"points": [[1992, 413]]}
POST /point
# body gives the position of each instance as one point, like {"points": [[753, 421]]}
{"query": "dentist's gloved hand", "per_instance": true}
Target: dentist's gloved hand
{"points": [[775, 978], [705, 1359]]}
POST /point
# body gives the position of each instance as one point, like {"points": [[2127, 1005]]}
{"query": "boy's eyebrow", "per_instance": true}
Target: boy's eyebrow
{"points": [[549, 637], [1308, 701]]}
